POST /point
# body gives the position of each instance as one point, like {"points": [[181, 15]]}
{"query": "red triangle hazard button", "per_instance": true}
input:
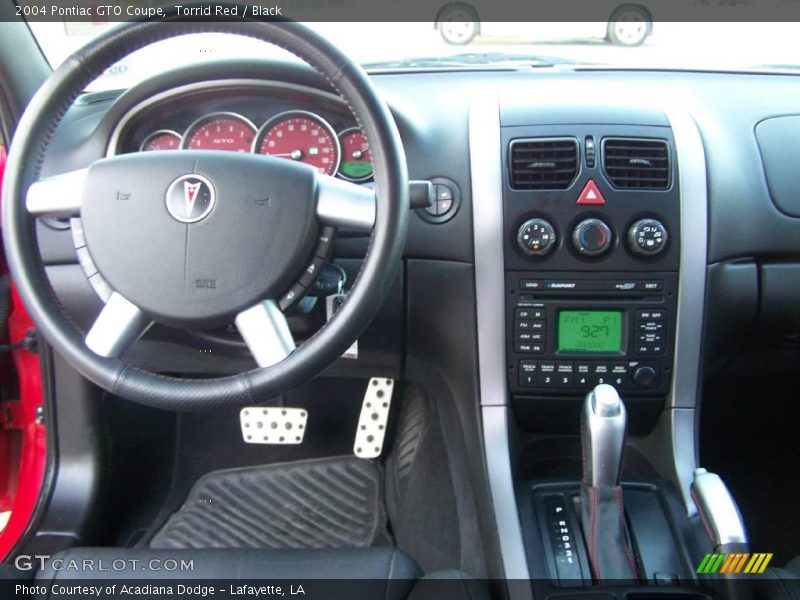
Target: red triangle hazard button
{"points": [[591, 194]]}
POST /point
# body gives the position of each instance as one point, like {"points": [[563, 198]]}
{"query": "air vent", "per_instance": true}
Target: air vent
{"points": [[543, 164], [636, 163]]}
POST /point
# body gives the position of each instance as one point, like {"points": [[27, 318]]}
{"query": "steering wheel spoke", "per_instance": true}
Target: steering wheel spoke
{"points": [[57, 196], [118, 325], [344, 204], [266, 332]]}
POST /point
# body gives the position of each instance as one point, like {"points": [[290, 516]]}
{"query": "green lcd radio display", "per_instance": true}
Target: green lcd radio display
{"points": [[597, 331]]}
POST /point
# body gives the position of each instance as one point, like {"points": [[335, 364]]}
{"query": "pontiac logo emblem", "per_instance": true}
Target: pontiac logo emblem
{"points": [[190, 198]]}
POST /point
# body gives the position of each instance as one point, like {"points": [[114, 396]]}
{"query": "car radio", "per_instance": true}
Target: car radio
{"points": [[567, 332]]}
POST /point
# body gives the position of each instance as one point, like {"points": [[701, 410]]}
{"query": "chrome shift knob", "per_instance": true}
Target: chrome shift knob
{"points": [[603, 424]]}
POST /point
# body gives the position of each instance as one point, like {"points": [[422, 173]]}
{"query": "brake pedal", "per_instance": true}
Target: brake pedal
{"points": [[374, 416], [273, 425]]}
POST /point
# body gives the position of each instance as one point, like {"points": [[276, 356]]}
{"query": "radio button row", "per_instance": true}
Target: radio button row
{"points": [[536, 325], [651, 315], [649, 338], [585, 375], [529, 313], [650, 325], [651, 349], [529, 336], [529, 348]]}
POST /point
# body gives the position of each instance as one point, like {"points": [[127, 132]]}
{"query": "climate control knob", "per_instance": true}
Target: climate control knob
{"points": [[592, 237], [536, 237], [647, 237]]}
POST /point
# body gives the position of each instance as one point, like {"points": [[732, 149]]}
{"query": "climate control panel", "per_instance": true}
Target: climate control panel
{"points": [[593, 237]]}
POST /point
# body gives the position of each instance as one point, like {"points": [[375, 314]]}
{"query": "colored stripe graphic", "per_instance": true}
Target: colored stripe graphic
{"points": [[735, 563]]}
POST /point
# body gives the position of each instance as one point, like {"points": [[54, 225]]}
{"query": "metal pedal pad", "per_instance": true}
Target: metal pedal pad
{"points": [[273, 425], [374, 416]]}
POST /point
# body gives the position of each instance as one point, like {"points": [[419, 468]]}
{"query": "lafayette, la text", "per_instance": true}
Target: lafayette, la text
{"points": [[194, 590]]}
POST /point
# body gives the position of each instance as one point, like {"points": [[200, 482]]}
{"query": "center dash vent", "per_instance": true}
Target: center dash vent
{"points": [[637, 163], [543, 164]]}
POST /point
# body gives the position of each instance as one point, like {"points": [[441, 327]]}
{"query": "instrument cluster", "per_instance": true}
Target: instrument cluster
{"points": [[298, 135]]}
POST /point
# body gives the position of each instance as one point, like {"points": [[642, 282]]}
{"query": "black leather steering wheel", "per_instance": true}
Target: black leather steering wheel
{"points": [[156, 223]]}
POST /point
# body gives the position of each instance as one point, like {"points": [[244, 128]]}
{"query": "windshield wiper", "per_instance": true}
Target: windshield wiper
{"points": [[468, 59]]}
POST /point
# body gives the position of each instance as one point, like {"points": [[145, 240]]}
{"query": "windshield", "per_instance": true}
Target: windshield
{"points": [[457, 41]]}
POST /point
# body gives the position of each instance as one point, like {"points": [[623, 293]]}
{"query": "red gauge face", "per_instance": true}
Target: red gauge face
{"points": [[356, 162], [301, 136], [221, 131], [161, 140]]}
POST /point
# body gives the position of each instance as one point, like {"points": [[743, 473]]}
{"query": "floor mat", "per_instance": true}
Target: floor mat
{"points": [[325, 503]]}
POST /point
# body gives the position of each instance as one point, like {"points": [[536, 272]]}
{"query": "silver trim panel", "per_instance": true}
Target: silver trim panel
{"points": [[344, 204], [264, 329], [118, 325], [720, 515], [682, 399], [57, 196], [487, 218]]}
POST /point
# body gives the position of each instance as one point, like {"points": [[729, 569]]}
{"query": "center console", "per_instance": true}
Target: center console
{"points": [[590, 255]]}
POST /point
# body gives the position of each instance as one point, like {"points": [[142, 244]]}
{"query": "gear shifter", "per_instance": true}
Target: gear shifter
{"points": [[603, 424]]}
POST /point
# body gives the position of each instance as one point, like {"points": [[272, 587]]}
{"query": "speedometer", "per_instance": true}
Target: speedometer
{"points": [[301, 136], [220, 131]]}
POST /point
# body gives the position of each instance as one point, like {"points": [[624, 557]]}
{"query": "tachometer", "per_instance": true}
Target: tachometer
{"points": [[220, 131], [302, 136], [356, 162], [163, 139]]}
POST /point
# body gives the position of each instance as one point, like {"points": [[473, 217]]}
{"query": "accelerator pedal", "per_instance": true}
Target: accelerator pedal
{"points": [[273, 425], [374, 417]]}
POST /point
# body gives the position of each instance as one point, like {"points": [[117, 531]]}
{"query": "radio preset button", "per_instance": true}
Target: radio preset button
{"points": [[583, 373], [619, 375], [601, 373], [564, 373], [528, 371], [547, 374]]}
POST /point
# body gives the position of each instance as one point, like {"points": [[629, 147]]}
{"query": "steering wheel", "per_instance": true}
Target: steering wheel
{"points": [[196, 239]]}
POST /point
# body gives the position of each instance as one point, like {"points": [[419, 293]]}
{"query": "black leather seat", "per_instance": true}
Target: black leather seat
{"points": [[392, 573]]}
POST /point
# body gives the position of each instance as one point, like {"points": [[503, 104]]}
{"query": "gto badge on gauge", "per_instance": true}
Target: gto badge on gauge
{"points": [[190, 198]]}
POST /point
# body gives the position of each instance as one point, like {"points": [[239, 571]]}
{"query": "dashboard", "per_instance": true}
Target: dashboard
{"points": [[751, 269]]}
